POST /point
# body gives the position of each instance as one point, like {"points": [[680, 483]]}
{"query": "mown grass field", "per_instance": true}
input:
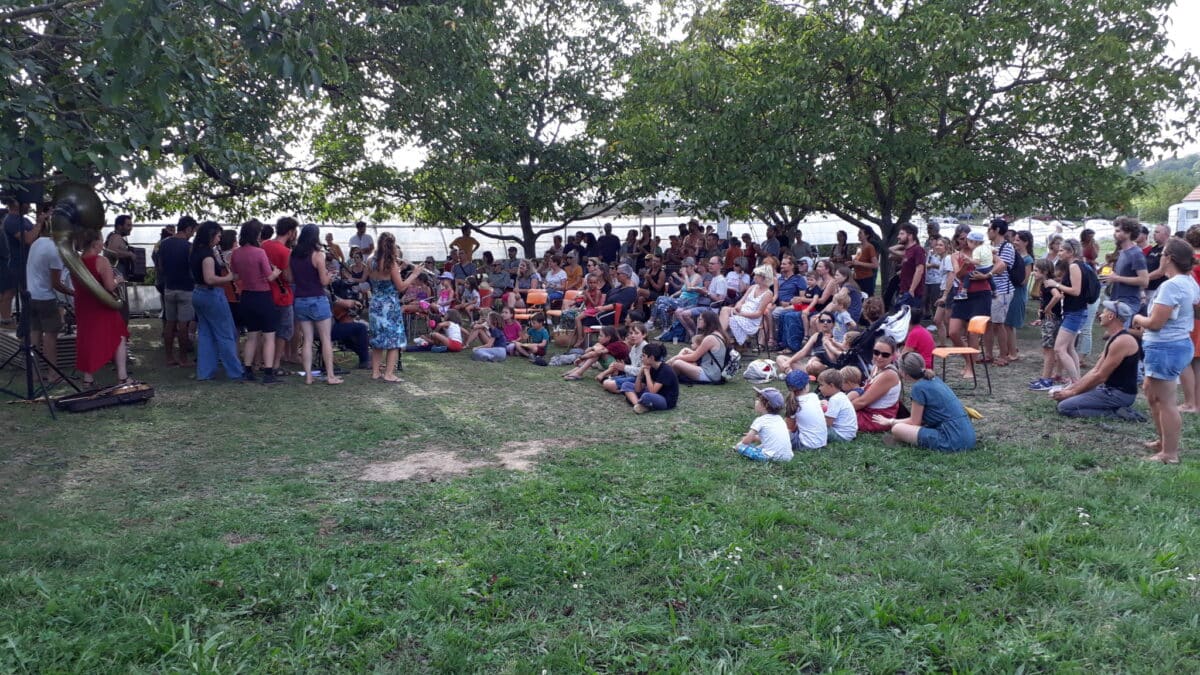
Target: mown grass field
{"points": [[226, 528]]}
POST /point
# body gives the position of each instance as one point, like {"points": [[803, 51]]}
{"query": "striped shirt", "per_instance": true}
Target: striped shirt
{"points": [[1009, 256]]}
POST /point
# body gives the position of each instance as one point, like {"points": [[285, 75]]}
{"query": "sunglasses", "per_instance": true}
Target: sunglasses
{"points": [[825, 321], [876, 352]]}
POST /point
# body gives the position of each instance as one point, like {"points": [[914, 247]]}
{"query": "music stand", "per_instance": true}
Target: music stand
{"points": [[33, 357]]}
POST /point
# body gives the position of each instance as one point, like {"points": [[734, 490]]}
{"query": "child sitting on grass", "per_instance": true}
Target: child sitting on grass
{"points": [[839, 411], [537, 338], [852, 382], [448, 333], [511, 328], [656, 386], [768, 439], [495, 346], [620, 373], [470, 298], [805, 420], [608, 346]]}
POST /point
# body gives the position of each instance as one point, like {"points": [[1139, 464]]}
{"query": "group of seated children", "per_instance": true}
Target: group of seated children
{"points": [[499, 334], [631, 367], [802, 421]]}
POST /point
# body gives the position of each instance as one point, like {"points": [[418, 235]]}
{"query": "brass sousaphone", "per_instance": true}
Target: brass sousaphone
{"points": [[77, 207]]}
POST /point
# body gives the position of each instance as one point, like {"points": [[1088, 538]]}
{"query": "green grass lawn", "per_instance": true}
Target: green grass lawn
{"points": [[226, 527]]}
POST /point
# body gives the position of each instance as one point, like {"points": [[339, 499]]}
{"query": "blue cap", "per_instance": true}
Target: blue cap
{"points": [[797, 379]]}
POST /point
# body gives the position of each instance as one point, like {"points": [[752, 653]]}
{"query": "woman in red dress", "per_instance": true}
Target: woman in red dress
{"points": [[102, 334]]}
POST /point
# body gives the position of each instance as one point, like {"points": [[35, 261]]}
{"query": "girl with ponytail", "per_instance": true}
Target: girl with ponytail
{"points": [[938, 420]]}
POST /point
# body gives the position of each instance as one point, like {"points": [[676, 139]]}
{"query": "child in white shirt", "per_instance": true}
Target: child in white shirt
{"points": [[805, 419], [839, 411], [768, 439]]}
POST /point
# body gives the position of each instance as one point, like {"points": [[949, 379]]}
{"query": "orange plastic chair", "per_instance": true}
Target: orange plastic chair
{"points": [[568, 300], [534, 302], [976, 326], [589, 331]]}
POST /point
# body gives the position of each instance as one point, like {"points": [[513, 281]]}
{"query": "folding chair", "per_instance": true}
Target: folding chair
{"points": [[976, 326], [589, 331], [568, 300], [534, 303]]}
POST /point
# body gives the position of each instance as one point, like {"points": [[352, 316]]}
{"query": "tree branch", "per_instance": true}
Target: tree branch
{"points": [[48, 8]]}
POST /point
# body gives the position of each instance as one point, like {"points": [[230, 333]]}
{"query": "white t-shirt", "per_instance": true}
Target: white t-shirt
{"points": [[361, 241], [454, 332], [845, 420], [811, 430], [555, 281], [44, 262], [776, 441]]}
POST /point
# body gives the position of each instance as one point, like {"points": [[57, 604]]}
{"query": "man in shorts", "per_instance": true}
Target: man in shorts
{"points": [[44, 276], [279, 254], [1005, 255], [175, 271]]}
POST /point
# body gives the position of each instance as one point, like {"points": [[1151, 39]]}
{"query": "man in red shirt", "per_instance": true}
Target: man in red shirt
{"points": [[912, 269], [279, 253]]}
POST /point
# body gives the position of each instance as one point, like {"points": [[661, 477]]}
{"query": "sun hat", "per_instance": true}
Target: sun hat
{"points": [[772, 396], [446, 275], [797, 379], [975, 236]]}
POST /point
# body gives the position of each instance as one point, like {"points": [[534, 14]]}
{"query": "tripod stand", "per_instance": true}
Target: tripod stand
{"points": [[31, 355]]}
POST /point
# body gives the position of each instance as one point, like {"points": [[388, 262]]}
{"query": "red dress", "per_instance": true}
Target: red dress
{"points": [[100, 328]]}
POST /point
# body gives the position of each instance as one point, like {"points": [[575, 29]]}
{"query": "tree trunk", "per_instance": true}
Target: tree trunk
{"points": [[528, 236]]}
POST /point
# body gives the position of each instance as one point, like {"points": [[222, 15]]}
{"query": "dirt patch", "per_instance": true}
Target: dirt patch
{"points": [[234, 540], [432, 465]]}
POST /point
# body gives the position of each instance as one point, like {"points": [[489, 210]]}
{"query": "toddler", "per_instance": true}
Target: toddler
{"points": [[839, 411], [805, 419], [842, 321], [445, 296], [768, 439], [852, 379]]}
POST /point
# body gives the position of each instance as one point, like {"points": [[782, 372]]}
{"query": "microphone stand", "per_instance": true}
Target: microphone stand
{"points": [[31, 354]]}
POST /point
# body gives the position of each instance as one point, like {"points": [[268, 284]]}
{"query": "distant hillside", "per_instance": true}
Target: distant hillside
{"points": [[1167, 182]]}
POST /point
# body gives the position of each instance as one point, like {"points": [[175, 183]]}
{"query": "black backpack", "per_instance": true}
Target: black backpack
{"points": [[1091, 282], [1017, 273]]}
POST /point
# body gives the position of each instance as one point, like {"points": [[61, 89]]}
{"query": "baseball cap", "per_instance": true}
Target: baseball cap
{"points": [[975, 236], [797, 379], [772, 395], [1119, 308]]}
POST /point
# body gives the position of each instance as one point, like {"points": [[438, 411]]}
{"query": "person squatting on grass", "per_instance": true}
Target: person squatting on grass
{"points": [[768, 439], [938, 420], [804, 418], [1110, 387], [1167, 344]]}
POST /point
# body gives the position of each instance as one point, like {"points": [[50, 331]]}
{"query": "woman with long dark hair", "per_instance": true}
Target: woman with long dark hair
{"points": [[216, 337], [312, 309], [259, 315], [1168, 346], [387, 311], [703, 364]]}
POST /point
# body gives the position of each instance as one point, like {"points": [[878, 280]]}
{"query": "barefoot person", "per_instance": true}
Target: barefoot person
{"points": [[1168, 346], [312, 308]]}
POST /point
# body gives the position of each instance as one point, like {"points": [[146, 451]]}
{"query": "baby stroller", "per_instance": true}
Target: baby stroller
{"points": [[894, 325]]}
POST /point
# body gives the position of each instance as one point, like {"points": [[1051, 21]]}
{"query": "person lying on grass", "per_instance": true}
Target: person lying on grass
{"points": [[620, 373], [768, 439], [608, 346], [656, 386], [804, 418], [536, 338], [938, 420]]}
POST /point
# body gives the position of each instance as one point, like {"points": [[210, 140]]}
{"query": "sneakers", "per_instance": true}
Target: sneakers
{"points": [[639, 409], [248, 375], [1041, 384]]}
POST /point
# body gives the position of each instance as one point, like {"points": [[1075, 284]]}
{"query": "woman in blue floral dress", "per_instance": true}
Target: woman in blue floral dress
{"points": [[386, 321]]}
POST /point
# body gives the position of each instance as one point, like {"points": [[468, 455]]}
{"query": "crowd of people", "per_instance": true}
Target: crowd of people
{"points": [[284, 294]]}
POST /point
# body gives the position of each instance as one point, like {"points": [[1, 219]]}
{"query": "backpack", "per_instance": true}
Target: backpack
{"points": [[731, 366], [1091, 283], [1018, 273]]}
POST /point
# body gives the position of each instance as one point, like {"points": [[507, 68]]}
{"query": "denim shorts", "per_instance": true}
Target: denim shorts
{"points": [[1166, 360], [313, 309], [1073, 322]]}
